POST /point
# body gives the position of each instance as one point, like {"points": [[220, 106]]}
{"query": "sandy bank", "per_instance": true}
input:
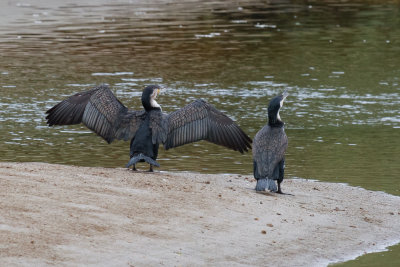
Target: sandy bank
{"points": [[63, 215]]}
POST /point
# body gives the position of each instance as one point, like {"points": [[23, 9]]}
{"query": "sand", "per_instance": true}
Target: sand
{"points": [[82, 216]]}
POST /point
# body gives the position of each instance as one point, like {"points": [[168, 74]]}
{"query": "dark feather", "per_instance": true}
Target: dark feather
{"points": [[202, 121], [100, 111], [269, 147]]}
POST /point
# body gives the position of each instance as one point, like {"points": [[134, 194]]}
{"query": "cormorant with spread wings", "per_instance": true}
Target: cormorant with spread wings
{"points": [[105, 115]]}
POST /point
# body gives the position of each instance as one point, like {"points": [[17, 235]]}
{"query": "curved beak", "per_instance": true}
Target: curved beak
{"points": [[160, 89], [285, 94], [156, 92]]}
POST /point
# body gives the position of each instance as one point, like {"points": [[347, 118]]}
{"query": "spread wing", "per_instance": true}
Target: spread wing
{"points": [[100, 111], [269, 149], [202, 121]]}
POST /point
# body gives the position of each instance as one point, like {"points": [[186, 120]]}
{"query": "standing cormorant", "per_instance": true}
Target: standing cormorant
{"points": [[105, 115], [269, 146]]}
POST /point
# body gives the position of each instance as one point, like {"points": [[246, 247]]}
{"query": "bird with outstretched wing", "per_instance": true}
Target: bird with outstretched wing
{"points": [[105, 115]]}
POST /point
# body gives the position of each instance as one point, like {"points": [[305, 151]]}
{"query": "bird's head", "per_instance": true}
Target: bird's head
{"points": [[149, 96], [273, 108]]}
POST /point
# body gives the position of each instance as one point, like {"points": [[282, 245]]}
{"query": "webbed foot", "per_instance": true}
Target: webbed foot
{"points": [[280, 192], [151, 168]]}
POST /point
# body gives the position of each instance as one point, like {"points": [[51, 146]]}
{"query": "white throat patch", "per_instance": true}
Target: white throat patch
{"points": [[153, 101], [281, 104]]}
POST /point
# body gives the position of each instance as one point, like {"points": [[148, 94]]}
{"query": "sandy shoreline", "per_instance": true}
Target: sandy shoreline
{"points": [[71, 216]]}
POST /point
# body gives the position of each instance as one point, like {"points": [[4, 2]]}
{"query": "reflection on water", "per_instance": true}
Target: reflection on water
{"points": [[338, 59]]}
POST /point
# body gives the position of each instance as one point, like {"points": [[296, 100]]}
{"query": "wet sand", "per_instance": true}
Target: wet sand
{"points": [[65, 215]]}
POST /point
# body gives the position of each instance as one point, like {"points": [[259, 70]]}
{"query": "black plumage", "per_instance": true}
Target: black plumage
{"points": [[105, 115], [269, 147]]}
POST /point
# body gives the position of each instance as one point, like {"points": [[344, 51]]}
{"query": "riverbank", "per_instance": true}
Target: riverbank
{"points": [[66, 215]]}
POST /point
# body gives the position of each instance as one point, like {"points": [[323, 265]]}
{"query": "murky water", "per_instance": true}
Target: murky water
{"points": [[339, 59]]}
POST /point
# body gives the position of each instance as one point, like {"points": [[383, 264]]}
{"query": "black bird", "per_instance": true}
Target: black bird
{"points": [[269, 147], [105, 115]]}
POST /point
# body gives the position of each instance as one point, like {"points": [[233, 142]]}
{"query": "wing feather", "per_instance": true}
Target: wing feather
{"points": [[100, 111], [202, 121]]}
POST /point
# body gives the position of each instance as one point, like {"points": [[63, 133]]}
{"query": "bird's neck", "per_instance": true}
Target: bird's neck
{"points": [[151, 105], [275, 121], [154, 104]]}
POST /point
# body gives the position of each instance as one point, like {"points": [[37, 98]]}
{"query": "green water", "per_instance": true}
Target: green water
{"points": [[340, 61]]}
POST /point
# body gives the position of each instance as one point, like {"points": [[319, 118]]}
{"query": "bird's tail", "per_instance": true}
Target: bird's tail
{"points": [[136, 158], [264, 183]]}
